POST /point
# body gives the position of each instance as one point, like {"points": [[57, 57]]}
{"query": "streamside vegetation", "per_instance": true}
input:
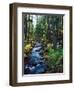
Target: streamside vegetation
{"points": [[43, 43]]}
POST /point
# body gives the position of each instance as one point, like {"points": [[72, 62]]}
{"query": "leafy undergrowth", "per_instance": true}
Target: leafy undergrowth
{"points": [[55, 61], [51, 61]]}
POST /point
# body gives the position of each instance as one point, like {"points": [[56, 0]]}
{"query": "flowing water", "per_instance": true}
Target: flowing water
{"points": [[36, 62]]}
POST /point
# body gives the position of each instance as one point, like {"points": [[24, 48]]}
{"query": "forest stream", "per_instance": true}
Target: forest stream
{"points": [[36, 62], [43, 43]]}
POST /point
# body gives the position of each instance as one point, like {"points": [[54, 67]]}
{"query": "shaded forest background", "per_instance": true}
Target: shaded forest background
{"points": [[47, 30]]}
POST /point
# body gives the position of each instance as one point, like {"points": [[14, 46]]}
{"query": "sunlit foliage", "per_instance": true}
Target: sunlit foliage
{"points": [[43, 44]]}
